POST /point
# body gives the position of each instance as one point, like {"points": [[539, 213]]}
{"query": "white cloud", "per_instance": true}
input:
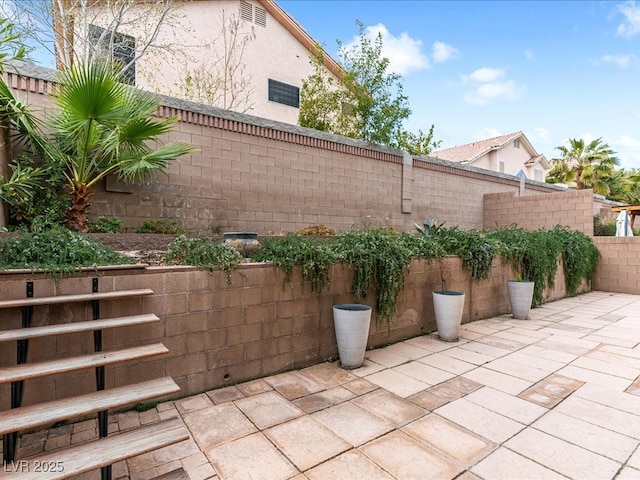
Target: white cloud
{"points": [[631, 24], [627, 149], [443, 52], [485, 74], [404, 53], [490, 84], [622, 61]]}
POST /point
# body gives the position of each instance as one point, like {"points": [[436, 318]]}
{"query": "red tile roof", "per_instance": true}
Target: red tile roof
{"points": [[472, 151]]}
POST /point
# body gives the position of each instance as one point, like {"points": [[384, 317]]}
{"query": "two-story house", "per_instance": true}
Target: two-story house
{"points": [[248, 56], [512, 154]]}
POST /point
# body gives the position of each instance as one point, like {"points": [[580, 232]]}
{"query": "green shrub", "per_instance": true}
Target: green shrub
{"points": [[56, 250], [579, 257], [314, 255], [160, 226], [422, 246], [48, 202], [603, 228], [476, 249], [107, 225], [533, 254], [203, 252]]}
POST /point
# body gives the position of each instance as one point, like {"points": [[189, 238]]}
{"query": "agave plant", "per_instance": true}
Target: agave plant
{"points": [[103, 127], [430, 228]]}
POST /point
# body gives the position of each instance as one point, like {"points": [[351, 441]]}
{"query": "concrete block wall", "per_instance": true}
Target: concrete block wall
{"points": [[572, 208], [619, 266], [252, 174], [219, 334]]}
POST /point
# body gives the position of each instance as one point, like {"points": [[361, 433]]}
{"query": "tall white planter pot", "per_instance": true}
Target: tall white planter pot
{"points": [[448, 306], [520, 298], [352, 321]]}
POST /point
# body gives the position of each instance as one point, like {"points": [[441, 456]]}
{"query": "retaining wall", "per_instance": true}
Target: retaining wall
{"points": [[219, 334]]}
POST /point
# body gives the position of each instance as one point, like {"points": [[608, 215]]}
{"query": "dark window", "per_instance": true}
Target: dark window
{"points": [[284, 93], [118, 47]]}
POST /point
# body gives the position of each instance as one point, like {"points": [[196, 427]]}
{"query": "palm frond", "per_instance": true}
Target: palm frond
{"points": [[154, 161]]}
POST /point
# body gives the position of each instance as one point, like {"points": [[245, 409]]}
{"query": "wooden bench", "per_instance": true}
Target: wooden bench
{"points": [[106, 450], [82, 297], [28, 371], [97, 454], [88, 326]]}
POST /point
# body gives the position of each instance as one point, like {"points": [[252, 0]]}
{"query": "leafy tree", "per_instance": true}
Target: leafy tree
{"points": [[103, 126], [367, 102], [587, 165]]}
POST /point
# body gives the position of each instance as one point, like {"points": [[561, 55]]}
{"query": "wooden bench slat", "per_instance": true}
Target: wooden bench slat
{"points": [[100, 453], [52, 367], [50, 412], [80, 297], [90, 325]]}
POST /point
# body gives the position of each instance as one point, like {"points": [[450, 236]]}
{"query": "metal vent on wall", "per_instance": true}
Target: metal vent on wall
{"points": [[253, 14], [261, 16], [246, 11]]}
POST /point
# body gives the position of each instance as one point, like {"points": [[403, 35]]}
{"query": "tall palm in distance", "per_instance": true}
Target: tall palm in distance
{"points": [[584, 165]]}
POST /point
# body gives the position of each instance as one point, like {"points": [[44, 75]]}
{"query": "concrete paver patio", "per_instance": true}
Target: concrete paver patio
{"points": [[556, 396]]}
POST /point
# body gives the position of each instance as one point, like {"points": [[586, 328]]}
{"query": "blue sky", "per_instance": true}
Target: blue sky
{"points": [[476, 69]]}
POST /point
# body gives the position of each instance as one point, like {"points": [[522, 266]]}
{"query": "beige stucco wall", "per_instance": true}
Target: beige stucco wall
{"points": [[514, 159], [198, 34]]}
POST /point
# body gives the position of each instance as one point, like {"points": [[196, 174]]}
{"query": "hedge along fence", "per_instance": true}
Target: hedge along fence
{"points": [[220, 334]]}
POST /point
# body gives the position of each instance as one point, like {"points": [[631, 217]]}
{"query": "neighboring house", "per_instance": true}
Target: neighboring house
{"points": [[248, 56], [511, 153]]}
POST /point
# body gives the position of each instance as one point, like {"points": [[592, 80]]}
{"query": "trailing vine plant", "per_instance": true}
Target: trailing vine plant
{"points": [[380, 262], [579, 257], [533, 254], [476, 249], [203, 252], [313, 255]]}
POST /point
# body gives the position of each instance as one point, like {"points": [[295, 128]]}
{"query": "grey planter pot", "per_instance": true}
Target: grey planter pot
{"points": [[352, 322], [520, 298], [448, 306]]}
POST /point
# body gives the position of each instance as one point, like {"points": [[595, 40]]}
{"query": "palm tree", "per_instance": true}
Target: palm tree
{"points": [[103, 127], [588, 165], [17, 125]]}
